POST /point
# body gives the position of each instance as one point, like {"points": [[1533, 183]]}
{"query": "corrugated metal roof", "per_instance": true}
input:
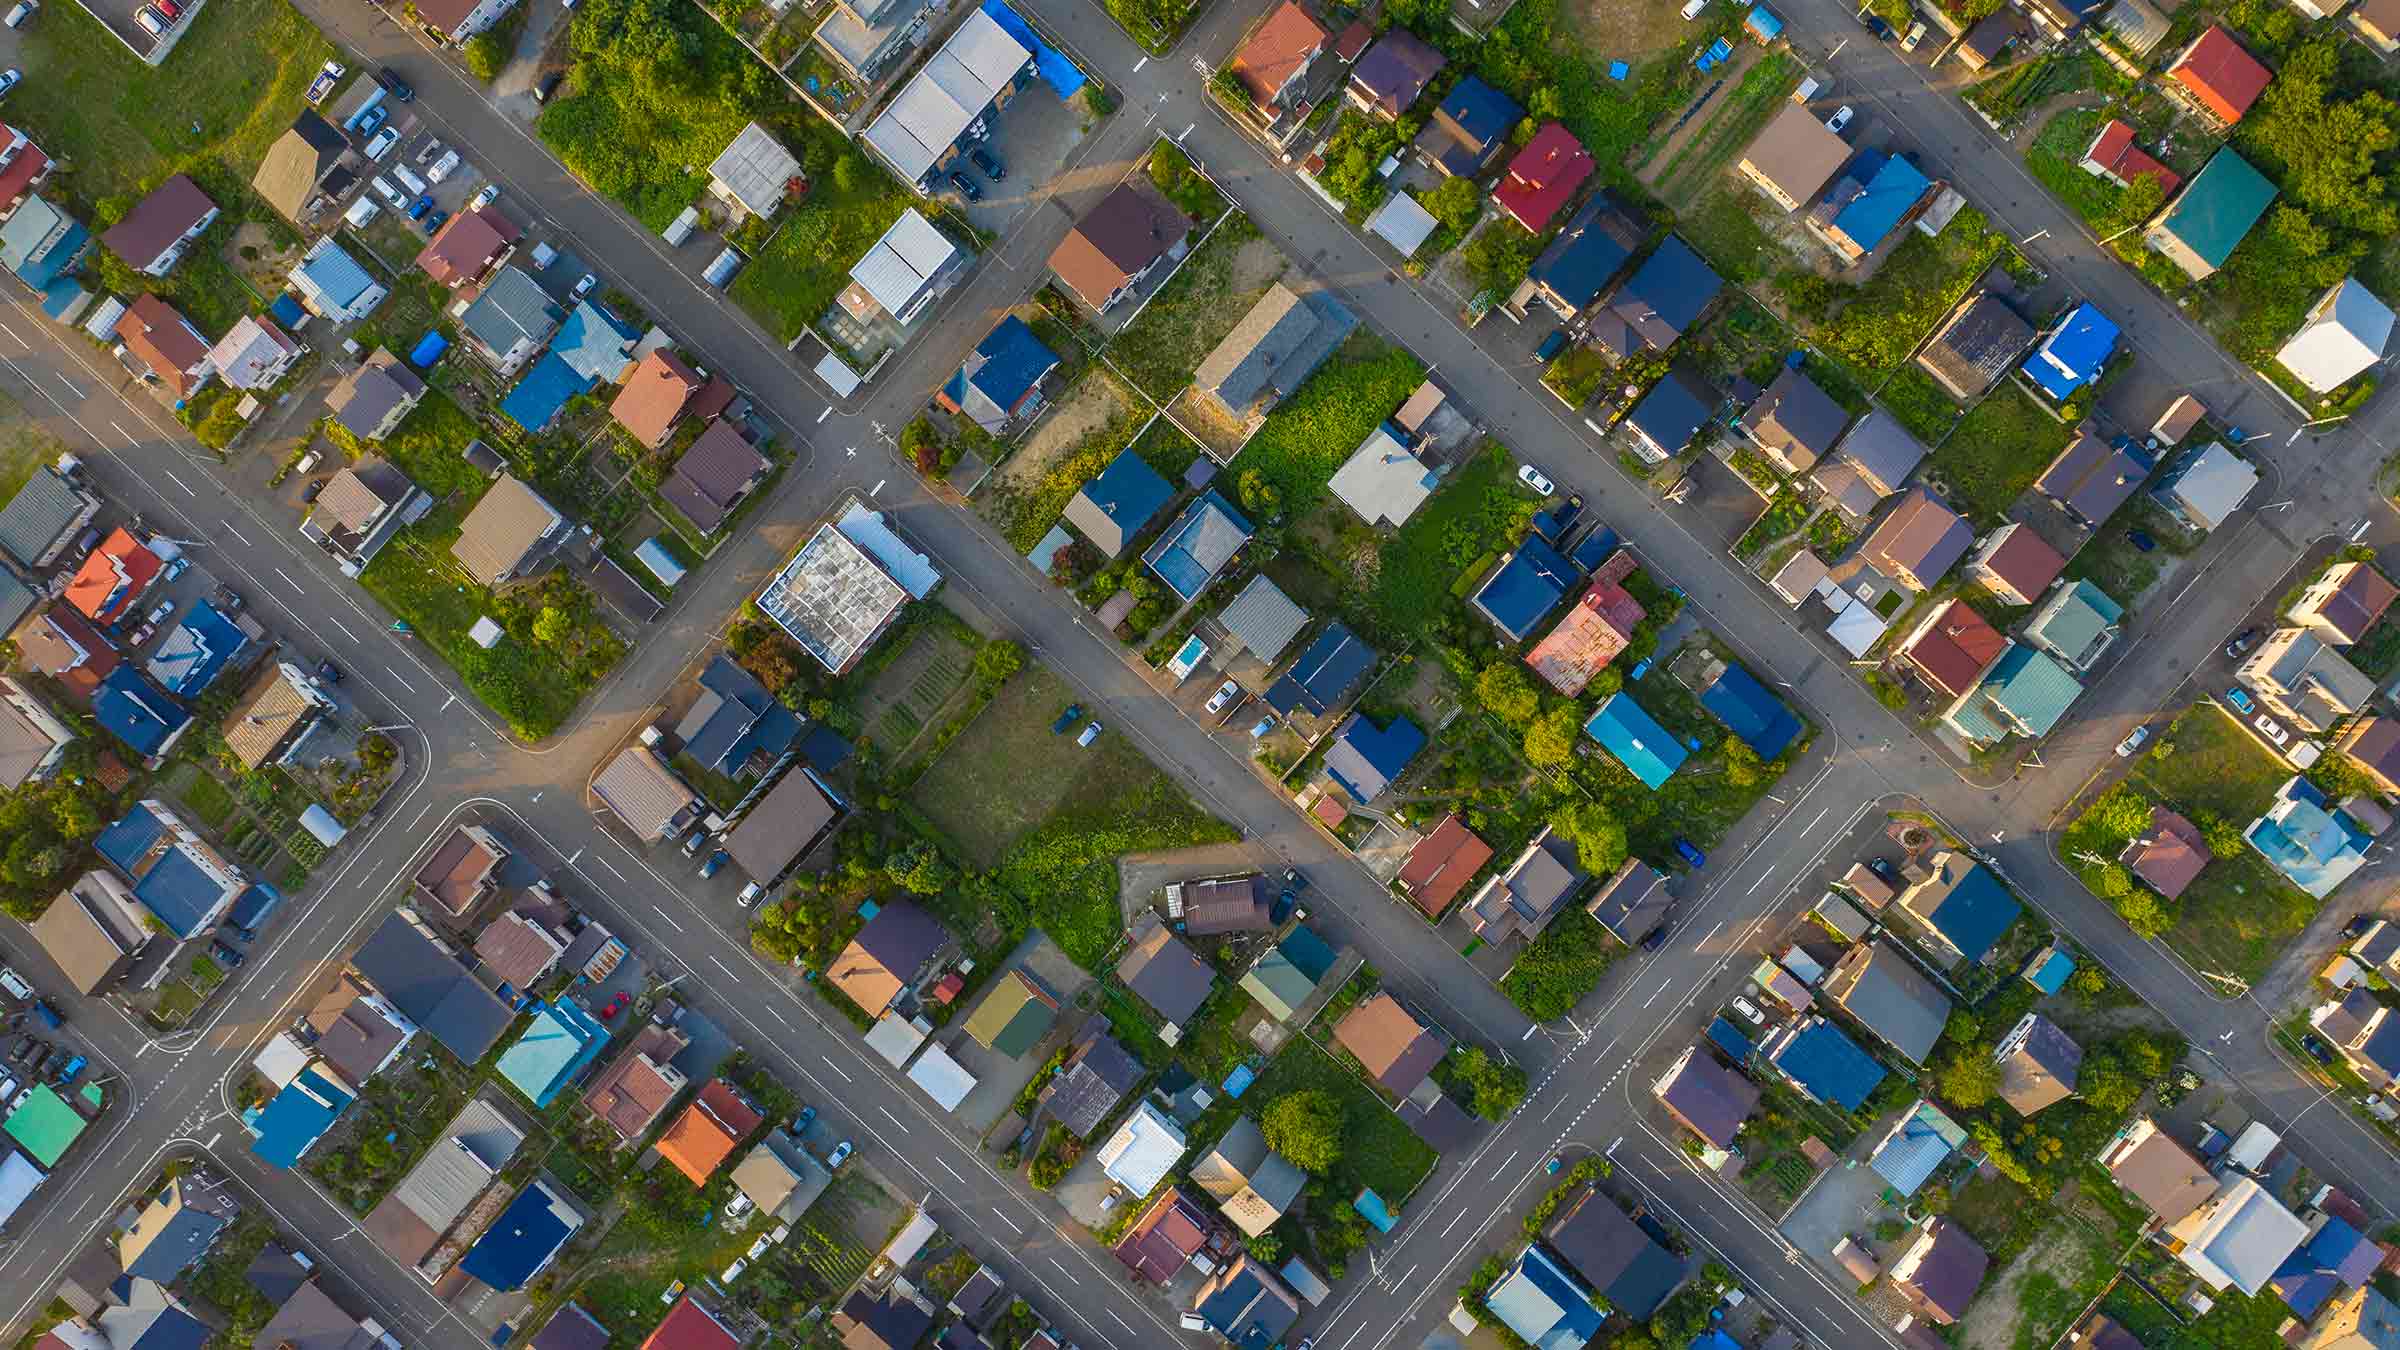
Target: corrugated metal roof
{"points": [[950, 92], [1918, 1143], [903, 261]]}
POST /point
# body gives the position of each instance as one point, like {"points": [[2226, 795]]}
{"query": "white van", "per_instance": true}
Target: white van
{"points": [[408, 177], [23, 11], [681, 227], [151, 21], [362, 211], [442, 167]]}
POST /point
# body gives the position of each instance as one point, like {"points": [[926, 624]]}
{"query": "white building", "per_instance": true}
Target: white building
{"points": [[910, 267], [2345, 332], [974, 71]]}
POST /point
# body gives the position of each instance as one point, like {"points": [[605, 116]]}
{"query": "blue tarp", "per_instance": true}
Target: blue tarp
{"points": [[429, 349], [1370, 1207], [1729, 1038], [1055, 69], [538, 398], [286, 311], [1239, 1081]]}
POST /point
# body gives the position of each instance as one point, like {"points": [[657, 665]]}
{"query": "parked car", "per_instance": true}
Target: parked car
{"points": [[2272, 730], [750, 894], [2240, 699], [841, 1154], [548, 86], [2140, 540], [1223, 698], [329, 673], [735, 1208], [1537, 480], [226, 954], [1551, 346], [43, 1009], [1691, 856], [1748, 1010], [391, 194], [2133, 742], [988, 162], [2317, 1049], [395, 86], [693, 841], [1693, 8], [1915, 35], [806, 1118], [441, 168], [2239, 643], [490, 194], [1090, 734], [371, 121], [21, 13], [715, 864], [1875, 25], [584, 287], [966, 186], [152, 22], [1066, 719], [315, 488], [432, 225], [1840, 121], [418, 208]]}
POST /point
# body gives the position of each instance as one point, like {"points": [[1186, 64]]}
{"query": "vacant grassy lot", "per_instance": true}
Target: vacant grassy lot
{"points": [[796, 276], [24, 446], [1885, 319], [1725, 228], [1996, 453], [1073, 443], [1379, 1151], [1730, 128], [1194, 311], [2054, 160]]}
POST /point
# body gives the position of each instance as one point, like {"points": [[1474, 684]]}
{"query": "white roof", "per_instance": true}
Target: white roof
{"points": [[894, 1038], [2240, 1237], [2214, 484], [1139, 1154], [2254, 1146], [1856, 628], [919, 127], [1382, 481], [910, 1240], [486, 632], [837, 375], [755, 169], [870, 531], [18, 1178], [943, 1078], [2346, 332], [908, 256], [832, 598], [281, 1059], [1402, 223]]}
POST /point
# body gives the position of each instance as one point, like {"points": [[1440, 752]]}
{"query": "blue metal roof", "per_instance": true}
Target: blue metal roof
{"points": [[1370, 1207], [251, 907], [130, 839], [1309, 954], [2072, 356], [1749, 711], [1670, 414], [560, 1042], [1129, 492], [1543, 1302], [1325, 673], [1522, 591], [1764, 23], [1013, 360], [337, 275], [1890, 192], [661, 563], [1675, 284], [1365, 758], [296, 1118], [1975, 913], [1247, 1311], [180, 892], [136, 711], [192, 656], [1636, 739], [1917, 1145], [537, 399], [1729, 1038], [40, 269], [287, 312], [523, 1239], [1828, 1065], [1597, 544], [2315, 848], [593, 343], [1481, 111], [1579, 264]]}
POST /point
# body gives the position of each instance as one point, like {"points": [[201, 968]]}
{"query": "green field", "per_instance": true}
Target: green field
{"points": [[1379, 1151], [792, 281], [1996, 453]]}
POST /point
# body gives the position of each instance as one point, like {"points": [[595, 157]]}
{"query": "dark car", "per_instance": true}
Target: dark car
{"points": [[226, 956], [966, 186], [548, 86], [395, 86], [315, 487], [2317, 1049], [2140, 540], [1691, 856], [1881, 30], [433, 224], [1657, 937], [988, 162], [329, 672], [1883, 869], [1551, 346], [2240, 642], [1070, 717]]}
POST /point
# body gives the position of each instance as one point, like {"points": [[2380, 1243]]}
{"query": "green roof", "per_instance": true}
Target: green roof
{"points": [[2074, 619], [1279, 986], [2033, 688], [44, 1124], [2219, 206], [1014, 1017]]}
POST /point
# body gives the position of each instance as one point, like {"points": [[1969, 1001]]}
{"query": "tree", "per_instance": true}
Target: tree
{"points": [[1495, 1089], [1260, 497], [2324, 152], [1455, 203], [1969, 1078], [999, 660], [1267, 1246], [921, 868], [2115, 882], [1550, 738], [1499, 255], [485, 56], [550, 625], [1598, 836], [1306, 1127], [1507, 691], [2142, 912], [1743, 768]]}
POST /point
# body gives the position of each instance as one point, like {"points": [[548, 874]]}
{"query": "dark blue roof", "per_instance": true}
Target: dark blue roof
{"points": [[1729, 1038], [1129, 492], [192, 656], [1481, 111], [1674, 283], [1894, 186], [136, 711], [521, 1241], [297, 1117], [1829, 1065], [1309, 954], [180, 892], [824, 747], [1242, 1316], [129, 840], [1746, 708], [1521, 591], [251, 907], [1670, 414], [1597, 544], [172, 1329], [546, 389], [1365, 758], [1585, 257], [1975, 913], [748, 721], [1013, 359], [1325, 673]]}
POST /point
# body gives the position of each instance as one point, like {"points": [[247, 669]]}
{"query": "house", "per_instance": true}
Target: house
{"points": [[1666, 294], [1522, 900], [309, 1319], [1272, 351], [1543, 177], [753, 174], [45, 516], [176, 1227], [166, 345], [1325, 675], [2356, 1318], [358, 1031], [1755, 716], [131, 707], [1876, 193], [1876, 985], [1982, 338], [633, 1090], [468, 246], [147, 1316], [689, 1326], [1286, 975], [1392, 75], [1629, 733], [1633, 903], [525, 1239], [335, 286], [1707, 1098], [2071, 356], [2037, 1064], [2205, 487], [1013, 1015], [833, 598], [1366, 759], [511, 319], [2015, 564], [1383, 482], [2303, 679], [1119, 503], [1097, 1074], [1665, 421], [1614, 1254], [1198, 545], [1145, 1147], [780, 1177], [295, 1118], [2201, 224], [466, 868], [40, 243], [2238, 1237], [711, 1127], [783, 826], [1394, 1048], [508, 535], [23, 168], [1939, 1270], [151, 238], [253, 354], [2092, 476], [1468, 128], [975, 71], [887, 956], [1794, 423], [2315, 847], [2113, 156], [1222, 904], [425, 979], [178, 876], [454, 21], [2168, 856], [654, 396], [1119, 241], [33, 741], [890, 1320], [1873, 462], [2344, 334], [2378, 23], [646, 796], [1173, 1230], [1261, 620], [2077, 625], [1598, 627], [1962, 906], [197, 649], [2167, 1178], [299, 160], [1444, 861], [2025, 693], [712, 478], [1572, 270], [2218, 75], [2361, 1028], [1164, 972], [2373, 744], [1001, 379], [461, 1167], [1919, 542], [1273, 65], [1248, 1304], [93, 931], [1252, 1184], [375, 396], [2059, 19], [1793, 158], [554, 1049], [1542, 1303], [912, 265], [1920, 1140]]}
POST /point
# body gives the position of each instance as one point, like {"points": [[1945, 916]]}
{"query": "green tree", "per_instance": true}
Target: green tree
{"points": [[2324, 152], [1598, 836], [1508, 692], [998, 662], [1306, 1127], [1499, 255], [2115, 882], [550, 625], [485, 56], [1550, 738], [921, 868], [1455, 203], [1969, 1078], [2142, 912]]}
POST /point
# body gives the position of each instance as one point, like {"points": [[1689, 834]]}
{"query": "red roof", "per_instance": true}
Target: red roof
{"points": [[166, 342], [2114, 153], [2225, 78], [1543, 176], [1353, 40], [1599, 626], [691, 1327], [1288, 40], [1954, 648], [20, 172], [110, 580], [1441, 864], [2026, 562]]}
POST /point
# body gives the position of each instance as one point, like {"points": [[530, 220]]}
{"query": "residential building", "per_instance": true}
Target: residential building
{"points": [[1273, 64], [891, 1320], [1794, 423], [1919, 542], [131, 706], [975, 72], [1920, 1140], [2113, 156], [1875, 194], [713, 477], [1635, 739], [912, 265], [1444, 861], [784, 825], [40, 243], [780, 1176], [1392, 74], [2168, 855], [1001, 380], [753, 174], [2059, 19], [2093, 476], [2025, 693], [1467, 129], [1875, 984], [2345, 601], [510, 534], [1542, 1303], [1522, 900], [33, 740], [1573, 270], [1543, 177], [2358, 1318], [274, 716], [2314, 845], [23, 168], [1975, 346], [1252, 1184], [198, 648], [647, 796], [2038, 1064], [1097, 1074], [45, 516], [297, 1116], [1325, 675], [1013, 1015], [833, 598], [554, 1049], [2362, 1028], [358, 1031], [468, 246], [375, 396], [1164, 972], [1614, 1254], [2305, 680], [1142, 1151], [461, 1167], [2077, 624], [2101, 1332], [1246, 1303], [1119, 503], [1395, 1049], [177, 875], [454, 21], [2146, 1163], [2070, 357], [2201, 224], [1793, 158], [299, 160], [2238, 1237], [1365, 759], [866, 37], [1665, 421], [310, 1319], [709, 1130], [1212, 905], [1261, 620], [1119, 241], [1593, 632], [335, 286], [1632, 904], [167, 346], [525, 1239], [511, 319], [253, 354], [426, 980], [1939, 1270], [1383, 482], [1821, 1062], [463, 871], [689, 1326], [1962, 907], [2378, 23], [149, 1316], [2373, 744], [2205, 487], [1198, 545], [1710, 1100], [1873, 462], [176, 1227], [93, 931], [1285, 976], [1754, 715], [654, 397], [2218, 76], [633, 1090], [151, 238], [1173, 1230], [1272, 351], [1667, 294], [2015, 564], [888, 955]]}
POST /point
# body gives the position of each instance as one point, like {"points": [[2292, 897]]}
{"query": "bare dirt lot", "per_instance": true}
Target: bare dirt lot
{"points": [[1092, 404], [1616, 30]]}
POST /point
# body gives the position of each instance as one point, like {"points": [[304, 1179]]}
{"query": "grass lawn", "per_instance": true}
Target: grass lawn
{"points": [[2215, 766], [2000, 1214], [2378, 653], [795, 278], [2110, 561], [1188, 316], [1724, 229], [1996, 453], [1918, 284], [1921, 405], [1172, 173], [2055, 158], [1736, 122], [1379, 1151], [2233, 1323], [208, 799], [1703, 799], [24, 447], [1558, 968]]}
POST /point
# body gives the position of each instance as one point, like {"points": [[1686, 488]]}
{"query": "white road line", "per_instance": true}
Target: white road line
{"points": [[70, 384], [212, 1139], [1062, 1269], [887, 1115], [837, 1069], [951, 1170], [343, 626], [297, 588], [1503, 1167], [170, 473], [1712, 933], [1813, 824], [1112, 1313], [612, 871], [229, 529], [1463, 1212], [1137, 66], [712, 956], [402, 679], [825, 414], [130, 438], [1009, 1221], [664, 915]]}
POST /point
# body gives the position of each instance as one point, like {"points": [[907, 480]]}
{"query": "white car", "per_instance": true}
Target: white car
{"points": [[1226, 693], [381, 143], [1537, 480], [750, 894], [1916, 34], [442, 167], [1840, 120], [584, 287], [2139, 738], [9, 78], [1749, 1011], [1692, 9], [392, 196], [733, 1272], [490, 194], [2272, 730]]}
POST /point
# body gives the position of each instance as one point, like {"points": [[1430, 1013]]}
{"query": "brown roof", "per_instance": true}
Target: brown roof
{"points": [[713, 399], [350, 501], [653, 397], [1797, 152], [1954, 647], [171, 209], [61, 643], [444, 15], [1867, 886], [2101, 1332], [469, 244], [456, 874], [2160, 1173], [1921, 537], [1442, 863], [1282, 45], [505, 525], [2358, 598], [162, 339], [630, 1092], [1164, 1238], [2025, 561], [518, 950], [2168, 855], [780, 827], [708, 1131], [1130, 229], [2374, 742], [352, 1038], [90, 931], [886, 955], [268, 711], [1226, 905], [711, 477], [397, 1229], [1390, 1043]]}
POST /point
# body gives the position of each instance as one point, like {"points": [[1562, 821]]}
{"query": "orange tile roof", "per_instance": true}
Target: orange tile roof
{"points": [[1441, 864], [708, 1131], [654, 396], [113, 578]]}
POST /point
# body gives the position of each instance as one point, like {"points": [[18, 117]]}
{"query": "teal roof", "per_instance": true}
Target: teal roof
{"points": [[2032, 687], [2074, 619], [1636, 739], [560, 1043], [2219, 206], [2050, 970]]}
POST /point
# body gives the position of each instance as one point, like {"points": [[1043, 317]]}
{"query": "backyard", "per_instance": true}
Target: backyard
{"points": [[791, 282], [1379, 1151], [1996, 452], [1215, 286]]}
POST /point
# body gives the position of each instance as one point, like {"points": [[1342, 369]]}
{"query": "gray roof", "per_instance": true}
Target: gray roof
{"points": [[1263, 619], [40, 515], [1163, 970], [1796, 419], [466, 1159], [1275, 347], [512, 308], [1876, 984], [1097, 1076], [1883, 450], [426, 981], [1976, 348]]}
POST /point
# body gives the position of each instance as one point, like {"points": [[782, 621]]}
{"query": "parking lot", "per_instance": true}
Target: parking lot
{"points": [[1029, 141]]}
